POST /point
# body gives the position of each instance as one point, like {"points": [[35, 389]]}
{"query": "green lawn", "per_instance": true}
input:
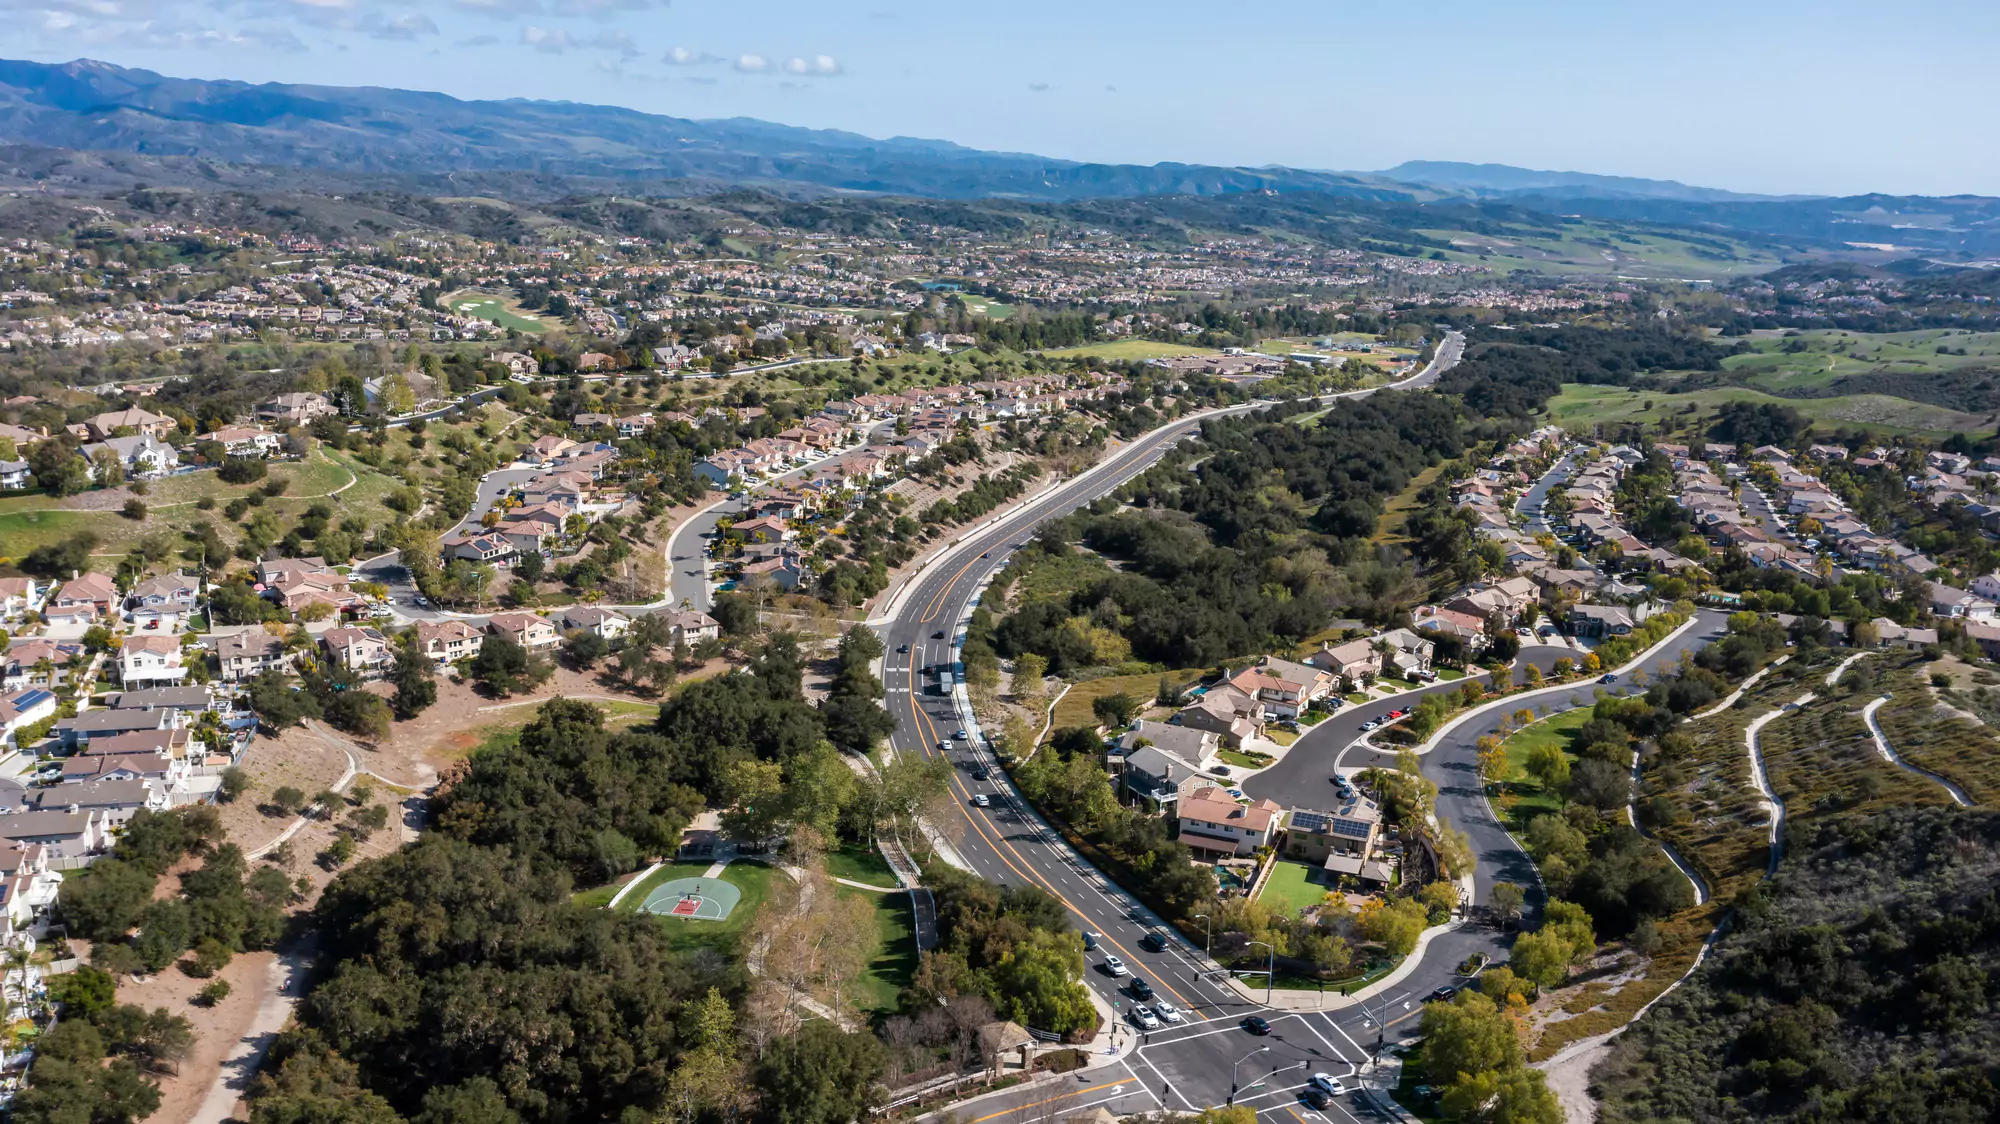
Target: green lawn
{"points": [[1587, 405], [860, 864], [1247, 761], [1130, 349], [986, 306], [892, 960], [1529, 798], [1074, 709], [1396, 513], [500, 310], [1291, 888]]}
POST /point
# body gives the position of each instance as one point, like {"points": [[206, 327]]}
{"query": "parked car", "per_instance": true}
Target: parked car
{"points": [[1116, 966]]}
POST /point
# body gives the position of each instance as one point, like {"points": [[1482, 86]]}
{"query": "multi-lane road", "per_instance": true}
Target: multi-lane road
{"points": [[1192, 1065]]}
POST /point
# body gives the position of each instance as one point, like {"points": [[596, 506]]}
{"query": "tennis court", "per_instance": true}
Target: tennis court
{"points": [[697, 899]]}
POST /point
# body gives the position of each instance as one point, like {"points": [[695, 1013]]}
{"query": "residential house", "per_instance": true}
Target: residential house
{"points": [[189, 701], [592, 421], [1354, 660], [448, 641], [1600, 621], [691, 626], [92, 591], [526, 629], [247, 441], [249, 653], [298, 582], [786, 571], [295, 409], [1958, 604], [24, 666], [162, 602], [1409, 653], [1285, 688], [1341, 841], [609, 624], [1465, 628], [21, 709], [20, 596], [1889, 634], [1985, 634], [485, 548], [15, 475], [114, 800], [61, 834], [527, 536], [145, 423], [547, 447], [143, 455], [28, 888], [1985, 585], [1212, 822], [1196, 747], [1160, 777], [767, 529], [1233, 715], [93, 724], [146, 660], [362, 649]]}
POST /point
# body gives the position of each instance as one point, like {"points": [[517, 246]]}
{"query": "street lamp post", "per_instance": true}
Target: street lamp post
{"points": [[1270, 970], [1207, 936], [1232, 1071]]}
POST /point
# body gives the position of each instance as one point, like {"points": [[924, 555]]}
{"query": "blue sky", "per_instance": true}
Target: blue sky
{"points": [[1832, 97]]}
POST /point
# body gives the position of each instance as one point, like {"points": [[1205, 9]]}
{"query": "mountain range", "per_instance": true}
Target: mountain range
{"points": [[88, 125]]}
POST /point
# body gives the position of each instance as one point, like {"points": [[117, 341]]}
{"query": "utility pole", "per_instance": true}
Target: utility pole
{"points": [[1270, 969], [1232, 1071]]}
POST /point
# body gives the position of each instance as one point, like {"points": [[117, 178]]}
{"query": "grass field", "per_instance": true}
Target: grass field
{"points": [[498, 309], [1591, 247], [1074, 709], [1581, 406], [1054, 579], [1522, 798], [1291, 888], [1130, 349], [892, 960], [986, 306], [860, 864], [1396, 513], [1788, 361]]}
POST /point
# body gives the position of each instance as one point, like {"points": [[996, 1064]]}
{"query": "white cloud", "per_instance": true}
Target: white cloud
{"points": [[683, 56], [549, 40], [818, 66], [161, 34], [503, 9], [406, 27], [753, 64], [614, 41], [601, 9]]}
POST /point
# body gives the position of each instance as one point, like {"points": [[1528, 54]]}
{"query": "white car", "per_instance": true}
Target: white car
{"points": [[979, 800], [1168, 1013], [1329, 1084], [1146, 1019], [1115, 966]]}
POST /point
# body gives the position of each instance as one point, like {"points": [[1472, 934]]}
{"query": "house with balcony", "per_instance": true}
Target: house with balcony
{"points": [[526, 629], [21, 596], [1285, 688], [364, 650], [1341, 842], [448, 641], [1233, 715], [1216, 825], [608, 624], [147, 661], [249, 653]]}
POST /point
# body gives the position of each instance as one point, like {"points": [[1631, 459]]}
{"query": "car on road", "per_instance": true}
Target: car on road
{"points": [[1168, 1012], [1257, 1024], [422, 602], [1609, 678], [1090, 939], [1146, 1019], [1141, 990], [958, 735], [1154, 941], [981, 800], [1315, 1097], [1329, 1084], [979, 772], [1441, 995], [1397, 713], [903, 650], [1371, 723], [938, 635], [1116, 966], [944, 747]]}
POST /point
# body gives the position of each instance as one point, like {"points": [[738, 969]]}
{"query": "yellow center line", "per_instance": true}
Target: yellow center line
{"points": [[1052, 1100]]}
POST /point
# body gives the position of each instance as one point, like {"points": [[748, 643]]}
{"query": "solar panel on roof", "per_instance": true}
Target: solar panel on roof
{"points": [[31, 700]]}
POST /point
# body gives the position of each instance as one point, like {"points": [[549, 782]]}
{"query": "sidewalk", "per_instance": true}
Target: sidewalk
{"points": [[1299, 999]]}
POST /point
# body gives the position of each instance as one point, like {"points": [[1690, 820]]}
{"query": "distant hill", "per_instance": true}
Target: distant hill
{"points": [[96, 106], [1505, 179]]}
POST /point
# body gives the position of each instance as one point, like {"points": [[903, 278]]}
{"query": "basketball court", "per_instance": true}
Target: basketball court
{"points": [[697, 899]]}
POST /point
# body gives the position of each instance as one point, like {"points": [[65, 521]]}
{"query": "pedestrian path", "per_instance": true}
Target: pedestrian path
{"points": [[1889, 754]]}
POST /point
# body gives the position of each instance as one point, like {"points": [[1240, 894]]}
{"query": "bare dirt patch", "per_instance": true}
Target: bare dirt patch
{"points": [[297, 758], [218, 1029]]}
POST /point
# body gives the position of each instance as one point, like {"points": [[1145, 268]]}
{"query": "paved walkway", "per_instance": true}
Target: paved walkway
{"points": [[1890, 755]]}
